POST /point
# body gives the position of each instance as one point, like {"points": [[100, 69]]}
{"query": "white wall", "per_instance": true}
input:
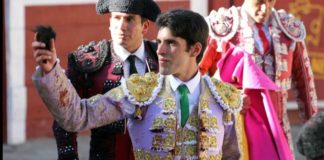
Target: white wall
{"points": [[199, 6]]}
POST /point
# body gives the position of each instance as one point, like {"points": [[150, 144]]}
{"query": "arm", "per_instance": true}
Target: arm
{"points": [[304, 82], [64, 103]]}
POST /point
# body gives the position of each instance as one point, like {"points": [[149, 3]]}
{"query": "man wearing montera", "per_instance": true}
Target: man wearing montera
{"points": [[99, 67]]}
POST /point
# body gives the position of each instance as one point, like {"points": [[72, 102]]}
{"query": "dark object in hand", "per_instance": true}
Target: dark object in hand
{"points": [[45, 34]]}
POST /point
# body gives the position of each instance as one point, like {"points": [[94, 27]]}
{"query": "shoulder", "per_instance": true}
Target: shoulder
{"points": [[90, 57], [226, 94], [223, 24], [142, 90], [290, 25]]}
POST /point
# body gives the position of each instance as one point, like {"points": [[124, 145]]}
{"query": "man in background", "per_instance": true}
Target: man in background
{"points": [[96, 68], [275, 41]]}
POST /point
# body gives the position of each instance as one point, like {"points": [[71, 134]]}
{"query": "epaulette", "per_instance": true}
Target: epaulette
{"points": [[290, 25], [89, 58], [223, 24], [142, 90], [226, 94]]}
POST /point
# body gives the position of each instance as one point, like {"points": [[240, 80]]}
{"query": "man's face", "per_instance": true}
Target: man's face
{"points": [[174, 56], [259, 10], [127, 30]]}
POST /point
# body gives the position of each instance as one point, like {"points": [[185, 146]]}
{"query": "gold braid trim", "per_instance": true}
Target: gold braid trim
{"points": [[141, 87], [229, 94]]}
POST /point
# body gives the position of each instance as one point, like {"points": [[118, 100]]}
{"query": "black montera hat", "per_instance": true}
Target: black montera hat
{"points": [[146, 8]]}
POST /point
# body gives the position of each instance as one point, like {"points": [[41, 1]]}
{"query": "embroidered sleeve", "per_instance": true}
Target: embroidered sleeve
{"points": [[304, 82], [69, 110]]}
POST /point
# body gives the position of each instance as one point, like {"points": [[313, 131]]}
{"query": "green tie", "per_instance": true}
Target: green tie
{"points": [[184, 103]]}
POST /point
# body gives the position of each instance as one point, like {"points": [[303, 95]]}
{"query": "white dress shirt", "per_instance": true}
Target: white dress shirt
{"points": [[193, 86], [140, 60], [258, 39]]}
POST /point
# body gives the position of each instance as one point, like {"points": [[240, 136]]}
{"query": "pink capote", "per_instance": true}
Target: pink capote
{"points": [[266, 139]]}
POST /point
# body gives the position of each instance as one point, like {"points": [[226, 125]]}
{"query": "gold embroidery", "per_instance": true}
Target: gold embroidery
{"points": [[203, 140], [141, 87], [193, 121], [213, 122], [158, 125], [169, 142], [170, 123], [169, 106], [204, 156], [138, 113], [207, 141], [227, 117], [157, 142], [204, 105], [145, 155], [208, 123], [168, 157], [189, 136], [204, 121], [189, 150], [230, 95]]}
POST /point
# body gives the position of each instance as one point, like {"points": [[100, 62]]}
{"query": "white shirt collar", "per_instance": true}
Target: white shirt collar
{"points": [[191, 84], [123, 53]]}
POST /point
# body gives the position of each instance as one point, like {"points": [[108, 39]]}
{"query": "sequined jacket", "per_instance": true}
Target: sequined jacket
{"points": [[95, 68], [153, 125], [288, 59]]}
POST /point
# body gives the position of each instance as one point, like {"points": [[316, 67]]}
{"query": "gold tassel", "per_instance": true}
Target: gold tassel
{"points": [[227, 117], [138, 113]]}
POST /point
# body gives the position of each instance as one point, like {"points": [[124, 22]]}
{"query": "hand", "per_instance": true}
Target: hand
{"points": [[246, 103], [46, 59]]}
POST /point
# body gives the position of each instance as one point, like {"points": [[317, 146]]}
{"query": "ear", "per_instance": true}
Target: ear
{"points": [[195, 49], [146, 26]]}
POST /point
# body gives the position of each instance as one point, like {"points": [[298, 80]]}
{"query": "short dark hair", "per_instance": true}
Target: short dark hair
{"points": [[186, 24], [143, 19]]}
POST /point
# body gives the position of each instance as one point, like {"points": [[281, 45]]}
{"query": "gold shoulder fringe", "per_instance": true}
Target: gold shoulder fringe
{"points": [[229, 93], [141, 87]]}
